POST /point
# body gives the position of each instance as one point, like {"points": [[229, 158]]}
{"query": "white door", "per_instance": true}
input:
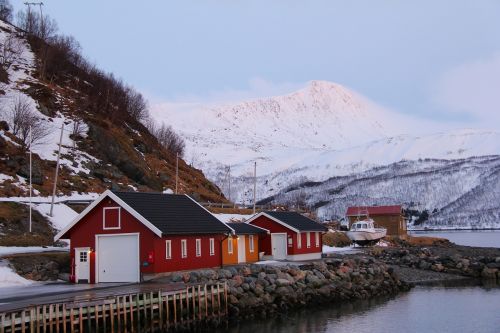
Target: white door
{"points": [[278, 243], [118, 258], [241, 249], [82, 264]]}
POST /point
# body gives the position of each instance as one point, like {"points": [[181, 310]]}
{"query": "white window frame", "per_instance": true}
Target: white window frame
{"points": [[299, 240], [250, 244], [198, 247], [308, 240], [230, 245], [317, 239], [168, 249], [212, 246], [104, 218], [184, 250]]}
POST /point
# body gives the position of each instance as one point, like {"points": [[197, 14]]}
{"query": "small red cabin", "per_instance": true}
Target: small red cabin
{"points": [[292, 236], [125, 236]]}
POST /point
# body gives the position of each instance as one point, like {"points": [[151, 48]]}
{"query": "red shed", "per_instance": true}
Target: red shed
{"points": [[125, 236], [292, 236]]}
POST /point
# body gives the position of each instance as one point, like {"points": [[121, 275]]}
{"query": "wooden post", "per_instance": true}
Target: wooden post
{"points": [[131, 306], [160, 308], [118, 306], [96, 316], [168, 311], [212, 299], [206, 301], [64, 317], [32, 320], [72, 319], [80, 319], [124, 311], [218, 299], [175, 309], [104, 320], [2, 323], [89, 319], [23, 319], [112, 316], [225, 298], [43, 319], [199, 303], [182, 307], [13, 322], [138, 307], [144, 307], [58, 322], [151, 295], [194, 302]]}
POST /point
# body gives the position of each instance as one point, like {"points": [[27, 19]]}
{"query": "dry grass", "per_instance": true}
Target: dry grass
{"points": [[336, 239]]}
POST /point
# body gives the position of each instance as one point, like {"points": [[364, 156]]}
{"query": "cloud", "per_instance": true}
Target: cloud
{"points": [[472, 89]]}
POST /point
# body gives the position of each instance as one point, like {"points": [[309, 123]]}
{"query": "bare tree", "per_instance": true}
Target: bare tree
{"points": [[167, 137], [77, 131], [6, 10], [23, 119], [9, 50]]}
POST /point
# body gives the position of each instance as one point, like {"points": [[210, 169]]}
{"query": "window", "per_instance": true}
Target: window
{"points": [[308, 239], [83, 256], [212, 246], [230, 245], [317, 239], [299, 241], [111, 218], [184, 251], [250, 240], [168, 249], [198, 247]]}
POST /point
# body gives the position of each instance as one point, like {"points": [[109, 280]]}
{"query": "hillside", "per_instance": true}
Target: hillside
{"points": [[105, 142], [461, 193]]}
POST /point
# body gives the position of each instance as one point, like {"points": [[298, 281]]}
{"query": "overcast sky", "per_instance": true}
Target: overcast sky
{"points": [[433, 59]]}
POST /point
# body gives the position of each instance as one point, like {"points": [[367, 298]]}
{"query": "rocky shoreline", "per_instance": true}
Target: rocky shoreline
{"points": [[473, 262], [266, 290]]}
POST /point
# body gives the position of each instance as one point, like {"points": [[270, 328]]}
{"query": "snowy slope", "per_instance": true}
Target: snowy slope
{"points": [[318, 132]]}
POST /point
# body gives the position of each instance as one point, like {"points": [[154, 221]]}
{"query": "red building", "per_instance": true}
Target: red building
{"points": [[125, 236], [292, 236], [390, 217]]}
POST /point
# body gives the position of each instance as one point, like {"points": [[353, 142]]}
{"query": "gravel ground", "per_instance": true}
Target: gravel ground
{"points": [[419, 276]]}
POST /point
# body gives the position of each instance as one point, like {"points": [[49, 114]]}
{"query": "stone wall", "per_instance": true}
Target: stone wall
{"points": [[261, 290]]}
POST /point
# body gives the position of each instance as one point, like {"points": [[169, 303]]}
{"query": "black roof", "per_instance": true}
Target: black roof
{"points": [[297, 221], [246, 229], [173, 213]]}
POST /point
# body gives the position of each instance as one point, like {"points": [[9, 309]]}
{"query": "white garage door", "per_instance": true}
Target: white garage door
{"points": [[118, 258]]}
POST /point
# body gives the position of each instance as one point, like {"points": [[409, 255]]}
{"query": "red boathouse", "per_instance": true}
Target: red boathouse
{"points": [[292, 236], [125, 236]]}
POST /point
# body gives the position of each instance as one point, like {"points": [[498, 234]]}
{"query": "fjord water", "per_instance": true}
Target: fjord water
{"points": [[426, 309], [481, 238], [423, 310]]}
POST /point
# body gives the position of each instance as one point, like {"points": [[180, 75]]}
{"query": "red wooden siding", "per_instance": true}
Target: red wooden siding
{"points": [[274, 227], [84, 232]]}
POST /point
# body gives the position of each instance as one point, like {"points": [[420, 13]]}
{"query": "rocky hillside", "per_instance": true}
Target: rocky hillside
{"points": [[46, 83], [463, 193]]}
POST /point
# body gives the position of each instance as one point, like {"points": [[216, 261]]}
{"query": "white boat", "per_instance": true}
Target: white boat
{"points": [[365, 233]]}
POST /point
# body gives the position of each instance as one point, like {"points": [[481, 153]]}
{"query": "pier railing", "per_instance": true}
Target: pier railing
{"points": [[162, 310]]}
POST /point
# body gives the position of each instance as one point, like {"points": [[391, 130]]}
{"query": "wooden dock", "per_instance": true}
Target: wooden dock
{"points": [[125, 312]]}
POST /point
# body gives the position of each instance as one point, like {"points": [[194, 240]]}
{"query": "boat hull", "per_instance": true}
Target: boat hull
{"points": [[366, 237]]}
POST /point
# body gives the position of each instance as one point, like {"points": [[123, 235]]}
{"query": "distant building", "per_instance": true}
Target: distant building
{"points": [[292, 236], [389, 217]]}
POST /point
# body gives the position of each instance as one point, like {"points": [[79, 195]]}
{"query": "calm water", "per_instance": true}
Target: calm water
{"points": [[483, 238], [424, 309]]}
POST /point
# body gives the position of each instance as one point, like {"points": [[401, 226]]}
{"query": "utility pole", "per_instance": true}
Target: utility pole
{"points": [[229, 186], [57, 171], [31, 183], [29, 4], [176, 173], [254, 183]]}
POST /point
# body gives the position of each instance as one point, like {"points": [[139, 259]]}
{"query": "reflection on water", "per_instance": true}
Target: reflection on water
{"points": [[424, 309], [481, 238]]}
